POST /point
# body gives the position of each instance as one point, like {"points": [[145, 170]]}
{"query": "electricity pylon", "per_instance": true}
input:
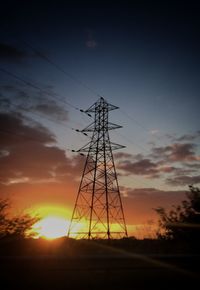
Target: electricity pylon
{"points": [[98, 211]]}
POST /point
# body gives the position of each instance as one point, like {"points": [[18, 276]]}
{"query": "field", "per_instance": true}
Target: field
{"points": [[107, 269]]}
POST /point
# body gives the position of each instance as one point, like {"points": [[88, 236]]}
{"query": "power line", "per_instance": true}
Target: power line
{"points": [[19, 135], [41, 55], [49, 119], [58, 67], [28, 83], [141, 147], [134, 120], [131, 142], [26, 137], [72, 77], [19, 107], [60, 100], [35, 113], [147, 130]]}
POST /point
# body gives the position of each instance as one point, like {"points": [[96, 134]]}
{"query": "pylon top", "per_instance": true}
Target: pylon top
{"points": [[101, 102]]}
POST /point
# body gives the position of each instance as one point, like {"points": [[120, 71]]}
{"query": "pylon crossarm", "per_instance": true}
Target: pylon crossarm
{"points": [[89, 128], [112, 126], [115, 146]]}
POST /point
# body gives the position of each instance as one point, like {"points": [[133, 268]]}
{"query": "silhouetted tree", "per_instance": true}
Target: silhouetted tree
{"points": [[183, 221], [17, 226]]}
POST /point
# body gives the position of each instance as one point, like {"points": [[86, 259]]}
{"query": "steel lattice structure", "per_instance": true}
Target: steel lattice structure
{"points": [[98, 211]]}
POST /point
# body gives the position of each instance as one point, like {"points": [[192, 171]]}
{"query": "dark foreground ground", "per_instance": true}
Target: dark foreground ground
{"points": [[98, 273], [109, 268]]}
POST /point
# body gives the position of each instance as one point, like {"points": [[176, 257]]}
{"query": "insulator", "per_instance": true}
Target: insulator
{"points": [[77, 130]]}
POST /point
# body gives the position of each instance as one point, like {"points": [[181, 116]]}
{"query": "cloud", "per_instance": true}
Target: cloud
{"points": [[169, 162], [138, 165], [183, 180], [185, 170], [188, 137], [11, 53], [182, 152], [139, 203], [51, 108], [151, 192], [23, 99], [7, 87], [142, 167], [193, 165], [160, 152], [167, 169], [176, 152], [29, 156], [38, 164], [14, 131], [124, 155]]}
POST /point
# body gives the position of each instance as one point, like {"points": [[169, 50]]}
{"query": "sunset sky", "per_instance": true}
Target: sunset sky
{"points": [[60, 57]]}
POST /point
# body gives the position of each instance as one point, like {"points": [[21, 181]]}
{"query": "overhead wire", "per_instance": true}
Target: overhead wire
{"points": [[28, 110], [58, 67], [23, 135], [141, 147], [43, 56], [134, 120], [41, 90], [28, 83], [20, 107], [145, 128], [132, 142], [96, 93], [80, 82], [27, 137]]}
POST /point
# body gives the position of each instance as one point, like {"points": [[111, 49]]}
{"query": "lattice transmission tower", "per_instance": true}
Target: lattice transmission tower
{"points": [[98, 211]]}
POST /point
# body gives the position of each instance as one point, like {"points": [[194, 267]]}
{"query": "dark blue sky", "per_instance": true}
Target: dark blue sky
{"points": [[150, 50]]}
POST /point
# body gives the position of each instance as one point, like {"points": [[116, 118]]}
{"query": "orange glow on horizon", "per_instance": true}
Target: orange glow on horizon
{"points": [[55, 222]]}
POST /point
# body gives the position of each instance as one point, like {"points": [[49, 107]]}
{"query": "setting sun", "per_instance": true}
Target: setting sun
{"points": [[52, 227], [54, 221]]}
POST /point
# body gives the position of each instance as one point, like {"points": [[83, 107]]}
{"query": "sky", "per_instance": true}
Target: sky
{"points": [[58, 58]]}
